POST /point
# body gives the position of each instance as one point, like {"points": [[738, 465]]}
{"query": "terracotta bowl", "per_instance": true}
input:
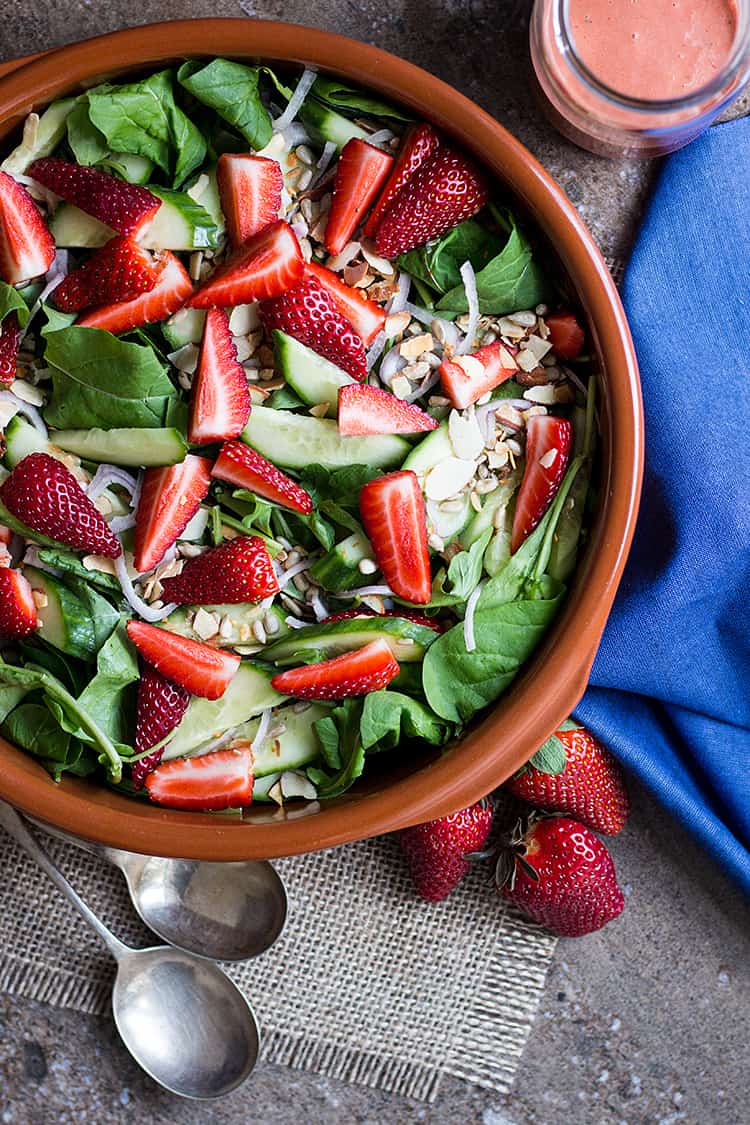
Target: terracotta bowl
{"points": [[420, 787]]}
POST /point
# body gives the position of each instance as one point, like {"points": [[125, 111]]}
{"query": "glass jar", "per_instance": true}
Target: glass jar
{"points": [[604, 120]]}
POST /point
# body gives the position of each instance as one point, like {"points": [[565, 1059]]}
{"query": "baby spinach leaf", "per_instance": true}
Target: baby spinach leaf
{"points": [[33, 728], [438, 264], [230, 89], [354, 101], [348, 750], [71, 564], [389, 716], [342, 485], [284, 398], [12, 301], [71, 672], [98, 380], [104, 616], [88, 144], [56, 320], [106, 696], [512, 280], [463, 575], [328, 737]]}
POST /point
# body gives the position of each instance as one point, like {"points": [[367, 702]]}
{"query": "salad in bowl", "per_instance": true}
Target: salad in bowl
{"points": [[297, 442]]}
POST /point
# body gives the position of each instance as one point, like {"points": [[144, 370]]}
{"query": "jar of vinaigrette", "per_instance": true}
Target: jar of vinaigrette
{"points": [[639, 77]]}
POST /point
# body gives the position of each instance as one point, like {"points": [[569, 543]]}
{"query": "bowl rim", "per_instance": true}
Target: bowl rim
{"points": [[556, 677]]}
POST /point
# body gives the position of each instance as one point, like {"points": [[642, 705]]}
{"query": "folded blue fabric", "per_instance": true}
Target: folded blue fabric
{"points": [[670, 687]]}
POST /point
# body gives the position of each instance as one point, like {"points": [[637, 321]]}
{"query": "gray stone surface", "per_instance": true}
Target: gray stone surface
{"points": [[641, 1023]]}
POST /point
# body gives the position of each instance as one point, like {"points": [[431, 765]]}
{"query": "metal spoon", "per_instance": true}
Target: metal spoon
{"points": [[224, 911], [181, 1017]]}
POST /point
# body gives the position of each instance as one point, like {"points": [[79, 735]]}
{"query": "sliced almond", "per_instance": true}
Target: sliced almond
{"points": [[205, 624], [448, 478], [416, 345]]}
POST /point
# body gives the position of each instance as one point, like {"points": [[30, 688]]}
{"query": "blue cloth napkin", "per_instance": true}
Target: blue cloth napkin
{"points": [[670, 687]]}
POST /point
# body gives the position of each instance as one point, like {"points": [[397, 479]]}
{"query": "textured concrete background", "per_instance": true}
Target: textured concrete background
{"points": [[641, 1024]]}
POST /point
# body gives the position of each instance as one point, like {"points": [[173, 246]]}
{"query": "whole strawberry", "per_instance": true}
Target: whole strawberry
{"points": [[436, 851], [561, 875], [573, 773], [239, 570]]}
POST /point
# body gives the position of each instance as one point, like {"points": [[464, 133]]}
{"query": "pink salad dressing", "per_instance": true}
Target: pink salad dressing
{"points": [[653, 49]]}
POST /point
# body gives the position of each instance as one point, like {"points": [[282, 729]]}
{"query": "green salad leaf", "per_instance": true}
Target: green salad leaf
{"points": [[438, 264], [341, 747], [512, 280], [232, 90], [463, 575], [106, 695], [88, 144], [70, 564], [388, 717], [12, 301], [352, 100]]}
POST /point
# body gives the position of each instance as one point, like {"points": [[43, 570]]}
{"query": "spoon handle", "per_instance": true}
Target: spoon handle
{"points": [[15, 827]]}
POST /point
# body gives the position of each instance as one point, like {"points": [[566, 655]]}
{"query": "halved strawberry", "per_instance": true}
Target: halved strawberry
{"points": [[308, 313], [44, 495], [370, 410], [26, 246], [360, 174], [366, 317], [124, 207], [222, 780], [250, 192], [265, 266], [10, 340], [119, 271], [161, 705], [417, 143], [548, 442], [565, 334], [198, 668], [465, 378], [353, 673], [239, 570], [445, 189], [238, 464], [170, 497], [392, 510], [18, 616], [172, 288], [220, 398]]}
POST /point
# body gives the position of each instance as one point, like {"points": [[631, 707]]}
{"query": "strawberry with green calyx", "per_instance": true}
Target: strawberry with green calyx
{"points": [[558, 873], [439, 853], [573, 773]]}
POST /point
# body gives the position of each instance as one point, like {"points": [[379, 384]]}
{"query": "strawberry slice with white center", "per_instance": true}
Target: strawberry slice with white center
{"points": [[220, 397], [465, 378], [266, 266], [417, 143], [565, 334], [26, 246], [548, 441], [125, 208], [198, 668], [393, 514], [446, 189], [120, 271], [170, 497], [171, 290], [239, 465], [370, 410], [161, 705], [10, 341], [250, 192], [222, 780], [239, 570], [361, 172], [18, 615], [353, 673], [366, 317]]}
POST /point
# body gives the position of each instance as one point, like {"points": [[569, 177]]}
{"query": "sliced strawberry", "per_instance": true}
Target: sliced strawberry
{"points": [[124, 207], [409, 614], [5, 535], [353, 673], [308, 313], [250, 192], [198, 668], [18, 615], [44, 495], [265, 266], [360, 174], [238, 464], [239, 570], [120, 271], [222, 780], [465, 378], [565, 334], [446, 189], [10, 341], [547, 451], [161, 705], [172, 288], [370, 410], [26, 246], [417, 143], [170, 497], [392, 510], [220, 398], [366, 317]]}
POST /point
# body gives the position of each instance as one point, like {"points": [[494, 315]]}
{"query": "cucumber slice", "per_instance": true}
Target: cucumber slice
{"points": [[128, 166], [261, 787], [241, 618], [134, 447], [493, 503], [205, 191], [21, 438], [71, 227], [179, 224], [314, 378], [185, 327], [339, 569], [325, 124], [295, 748], [65, 621], [296, 440], [408, 639], [50, 130], [430, 452], [248, 694]]}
